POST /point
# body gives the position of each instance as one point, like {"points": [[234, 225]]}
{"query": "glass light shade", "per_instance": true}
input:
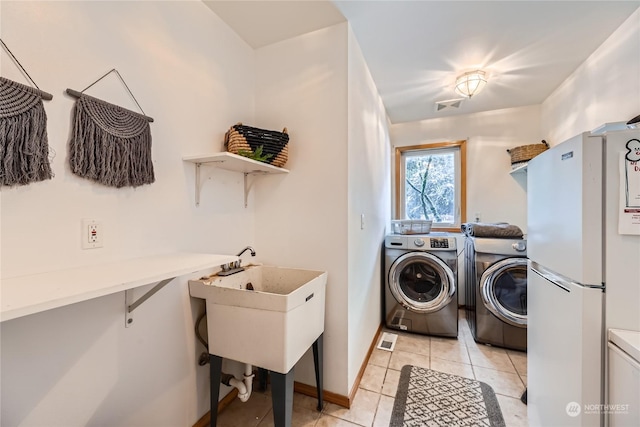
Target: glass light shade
{"points": [[471, 83]]}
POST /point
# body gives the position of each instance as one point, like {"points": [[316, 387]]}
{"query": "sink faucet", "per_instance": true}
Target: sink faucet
{"points": [[235, 266], [248, 248]]}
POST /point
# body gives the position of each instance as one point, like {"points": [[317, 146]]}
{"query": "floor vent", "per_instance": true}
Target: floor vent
{"points": [[450, 104], [388, 341]]}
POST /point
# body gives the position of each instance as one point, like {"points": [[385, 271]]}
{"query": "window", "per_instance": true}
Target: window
{"points": [[430, 184]]}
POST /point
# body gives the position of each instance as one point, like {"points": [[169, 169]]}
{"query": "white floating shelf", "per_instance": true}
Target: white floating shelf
{"points": [[25, 295], [232, 162], [520, 170]]}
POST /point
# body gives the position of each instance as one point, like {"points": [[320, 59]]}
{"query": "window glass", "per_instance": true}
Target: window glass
{"points": [[430, 184]]}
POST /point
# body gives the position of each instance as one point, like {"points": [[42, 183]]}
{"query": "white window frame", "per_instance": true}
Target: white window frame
{"points": [[459, 150]]}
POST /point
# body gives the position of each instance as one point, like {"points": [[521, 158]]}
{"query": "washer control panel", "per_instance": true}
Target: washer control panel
{"points": [[439, 243], [421, 242]]}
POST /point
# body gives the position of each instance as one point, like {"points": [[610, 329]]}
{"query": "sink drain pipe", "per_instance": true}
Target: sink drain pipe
{"points": [[244, 386]]}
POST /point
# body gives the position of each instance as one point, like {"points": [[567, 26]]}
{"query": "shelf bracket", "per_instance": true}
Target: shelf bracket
{"points": [[199, 178], [248, 185], [247, 188], [198, 183], [131, 305]]}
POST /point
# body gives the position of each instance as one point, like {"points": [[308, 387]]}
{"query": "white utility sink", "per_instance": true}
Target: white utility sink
{"points": [[271, 326]]}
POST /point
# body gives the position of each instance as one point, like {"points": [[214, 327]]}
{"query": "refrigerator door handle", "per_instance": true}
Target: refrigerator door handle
{"points": [[557, 279], [553, 282]]}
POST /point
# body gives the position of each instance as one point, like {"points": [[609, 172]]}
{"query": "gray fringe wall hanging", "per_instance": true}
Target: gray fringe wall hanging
{"points": [[110, 144], [24, 148]]}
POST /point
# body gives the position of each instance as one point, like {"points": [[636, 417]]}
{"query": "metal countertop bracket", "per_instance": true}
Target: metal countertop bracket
{"points": [[131, 305]]}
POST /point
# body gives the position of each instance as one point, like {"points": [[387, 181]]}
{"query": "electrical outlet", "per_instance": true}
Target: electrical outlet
{"points": [[92, 234]]}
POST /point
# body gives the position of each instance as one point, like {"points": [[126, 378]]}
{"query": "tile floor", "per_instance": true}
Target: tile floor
{"points": [[504, 370]]}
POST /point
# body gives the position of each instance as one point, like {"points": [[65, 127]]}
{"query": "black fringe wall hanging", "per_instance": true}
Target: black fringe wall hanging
{"points": [[24, 147], [110, 144]]}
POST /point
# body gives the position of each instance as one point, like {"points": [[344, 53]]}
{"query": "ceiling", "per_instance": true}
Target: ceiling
{"points": [[416, 49]]}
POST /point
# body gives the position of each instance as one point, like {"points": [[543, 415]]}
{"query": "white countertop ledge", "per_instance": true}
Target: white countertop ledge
{"points": [[30, 294]]}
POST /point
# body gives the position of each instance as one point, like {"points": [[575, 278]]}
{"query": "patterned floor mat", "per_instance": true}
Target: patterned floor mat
{"points": [[427, 398]]}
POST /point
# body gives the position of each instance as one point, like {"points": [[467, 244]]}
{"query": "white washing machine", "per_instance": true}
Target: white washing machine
{"points": [[496, 291], [421, 284]]}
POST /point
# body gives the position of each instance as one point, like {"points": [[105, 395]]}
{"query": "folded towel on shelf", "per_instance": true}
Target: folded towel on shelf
{"points": [[495, 230]]}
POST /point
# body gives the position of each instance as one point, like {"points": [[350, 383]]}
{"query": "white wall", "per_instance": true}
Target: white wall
{"points": [[301, 218], [491, 191], [605, 88], [318, 86], [368, 195], [78, 365]]}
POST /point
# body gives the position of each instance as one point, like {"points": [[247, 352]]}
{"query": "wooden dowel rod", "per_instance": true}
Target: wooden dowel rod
{"points": [[45, 95], [74, 93], [77, 94]]}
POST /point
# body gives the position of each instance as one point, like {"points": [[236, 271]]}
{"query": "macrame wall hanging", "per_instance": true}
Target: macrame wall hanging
{"points": [[110, 144], [24, 147]]}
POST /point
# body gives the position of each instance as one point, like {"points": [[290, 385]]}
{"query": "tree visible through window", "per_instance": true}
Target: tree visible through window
{"points": [[430, 183]]}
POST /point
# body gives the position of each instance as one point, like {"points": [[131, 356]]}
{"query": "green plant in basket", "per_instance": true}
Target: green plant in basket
{"points": [[256, 155]]}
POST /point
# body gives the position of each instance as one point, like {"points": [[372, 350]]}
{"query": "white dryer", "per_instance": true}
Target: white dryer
{"points": [[421, 284], [496, 293]]}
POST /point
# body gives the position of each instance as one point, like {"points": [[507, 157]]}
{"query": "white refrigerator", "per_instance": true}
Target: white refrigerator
{"points": [[580, 199]]}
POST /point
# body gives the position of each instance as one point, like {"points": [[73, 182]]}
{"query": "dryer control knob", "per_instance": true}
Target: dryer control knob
{"points": [[520, 246], [419, 243]]}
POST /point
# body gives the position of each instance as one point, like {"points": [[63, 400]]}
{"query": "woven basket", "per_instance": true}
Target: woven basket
{"points": [[245, 140], [527, 152]]}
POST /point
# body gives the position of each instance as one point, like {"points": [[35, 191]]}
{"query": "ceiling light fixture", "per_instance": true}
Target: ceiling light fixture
{"points": [[471, 83]]}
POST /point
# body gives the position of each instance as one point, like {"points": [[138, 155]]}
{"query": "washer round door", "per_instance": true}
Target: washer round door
{"points": [[503, 287], [421, 282]]}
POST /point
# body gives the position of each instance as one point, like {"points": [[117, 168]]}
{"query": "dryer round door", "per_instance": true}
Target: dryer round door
{"points": [[421, 282], [503, 287]]}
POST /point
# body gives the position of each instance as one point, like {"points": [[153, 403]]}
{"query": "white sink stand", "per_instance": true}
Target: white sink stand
{"points": [[281, 383]]}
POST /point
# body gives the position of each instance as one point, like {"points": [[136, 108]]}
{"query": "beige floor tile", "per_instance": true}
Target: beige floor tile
{"points": [[491, 357], [306, 402], [467, 339], [418, 344], [514, 411], [506, 383], [524, 379], [464, 332], [362, 411], [383, 413], [247, 414], [449, 367], [300, 418], [329, 421], [373, 378], [519, 360], [453, 350], [401, 358], [391, 379], [380, 357]]}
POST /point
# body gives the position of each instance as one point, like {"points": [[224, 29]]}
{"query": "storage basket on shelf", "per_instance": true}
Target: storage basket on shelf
{"points": [[268, 146], [524, 153], [411, 226]]}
